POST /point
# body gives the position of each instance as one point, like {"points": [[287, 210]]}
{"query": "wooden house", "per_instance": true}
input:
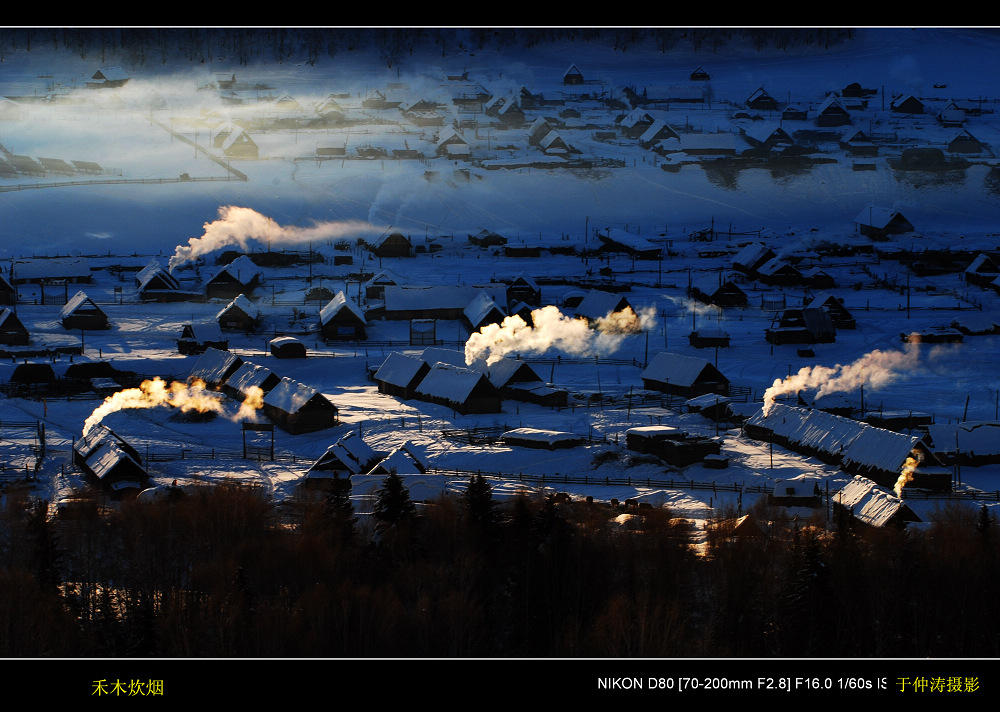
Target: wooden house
{"points": [[198, 336], [464, 390], [399, 375], [214, 367], [156, 284], [342, 319], [553, 143], [435, 301], [708, 338], [247, 377], [678, 374], [524, 290], [241, 276], [870, 505], [616, 240], [777, 271], [840, 317], [972, 443], [632, 125], [298, 408], [880, 223], [794, 113], [403, 460], [831, 112], [982, 271], [965, 142], [239, 315], [81, 312], [452, 144], [800, 491], [906, 104], [541, 439], [599, 305], [517, 380], [760, 100], [573, 76], [8, 293], [375, 287], [44, 270], [952, 115], [658, 131], [721, 293], [350, 455], [487, 238], [768, 135], [391, 243], [108, 78], [751, 258], [802, 326], [482, 311], [857, 143], [287, 347], [109, 462], [699, 75], [235, 142], [12, 331]]}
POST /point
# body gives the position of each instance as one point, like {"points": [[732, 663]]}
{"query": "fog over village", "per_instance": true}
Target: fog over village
{"points": [[517, 343]]}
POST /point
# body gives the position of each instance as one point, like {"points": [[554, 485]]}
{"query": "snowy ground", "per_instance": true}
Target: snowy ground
{"points": [[128, 224]]}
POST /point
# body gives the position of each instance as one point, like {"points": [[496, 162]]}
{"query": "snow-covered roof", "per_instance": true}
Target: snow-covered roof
{"points": [[339, 303], [621, 237], [753, 254], [399, 369], [677, 369], [971, 438], [213, 365], [540, 435], [351, 453], [870, 503], [454, 384], [290, 395], [403, 460], [248, 375], [51, 268], [205, 331], [243, 303], [875, 216], [435, 297], [79, 301], [598, 304], [481, 308]]}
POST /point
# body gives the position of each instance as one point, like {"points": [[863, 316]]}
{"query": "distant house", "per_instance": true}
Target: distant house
{"points": [[298, 408], [400, 374], [391, 243], [635, 123], [435, 301], [108, 78], [794, 113], [965, 142], [982, 271], [464, 390], [752, 257], [198, 336], [818, 278], [72, 270], [708, 338], [810, 325], [761, 101], [616, 240], [487, 238], [831, 112], [598, 305], [840, 317], [234, 141], [721, 293], [879, 223], [81, 312], [678, 374], [778, 272], [658, 131], [452, 144], [403, 460], [573, 76], [241, 276], [800, 491], [154, 283], [952, 115], [699, 75], [239, 315], [906, 104], [214, 367], [375, 287], [8, 293], [525, 290], [342, 319], [12, 331], [768, 135], [856, 142], [722, 143]]}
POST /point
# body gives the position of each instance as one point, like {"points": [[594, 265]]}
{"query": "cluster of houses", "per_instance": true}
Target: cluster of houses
{"points": [[295, 407]]}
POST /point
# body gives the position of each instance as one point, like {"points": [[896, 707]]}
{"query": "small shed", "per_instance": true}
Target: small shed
{"points": [[298, 408], [287, 347], [81, 312], [800, 491], [541, 439]]}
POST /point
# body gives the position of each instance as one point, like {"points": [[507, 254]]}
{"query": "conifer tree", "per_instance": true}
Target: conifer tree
{"points": [[392, 501]]}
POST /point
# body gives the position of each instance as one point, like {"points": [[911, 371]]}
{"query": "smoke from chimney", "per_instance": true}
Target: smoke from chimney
{"points": [[238, 226], [551, 329]]}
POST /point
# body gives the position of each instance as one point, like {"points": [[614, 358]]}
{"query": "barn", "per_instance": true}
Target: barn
{"points": [[298, 408], [342, 319], [239, 315], [906, 104], [678, 374], [879, 223], [840, 317], [391, 243], [831, 112], [12, 331], [80, 312], [778, 272], [616, 240], [752, 257], [573, 76]]}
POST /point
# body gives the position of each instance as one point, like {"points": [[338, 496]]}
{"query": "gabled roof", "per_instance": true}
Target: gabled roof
{"points": [[351, 453], [482, 308], [598, 304], [454, 384], [215, 364], [291, 396], [399, 369], [875, 216], [340, 303], [243, 303], [203, 331], [404, 460], [872, 504], [79, 301], [678, 369], [243, 269], [247, 376]]}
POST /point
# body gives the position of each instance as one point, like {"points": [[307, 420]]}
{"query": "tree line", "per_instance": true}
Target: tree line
{"points": [[144, 47], [221, 573]]}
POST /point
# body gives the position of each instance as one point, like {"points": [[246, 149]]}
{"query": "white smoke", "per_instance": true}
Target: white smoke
{"points": [[157, 392], [238, 226], [551, 329], [905, 474], [875, 369]]}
